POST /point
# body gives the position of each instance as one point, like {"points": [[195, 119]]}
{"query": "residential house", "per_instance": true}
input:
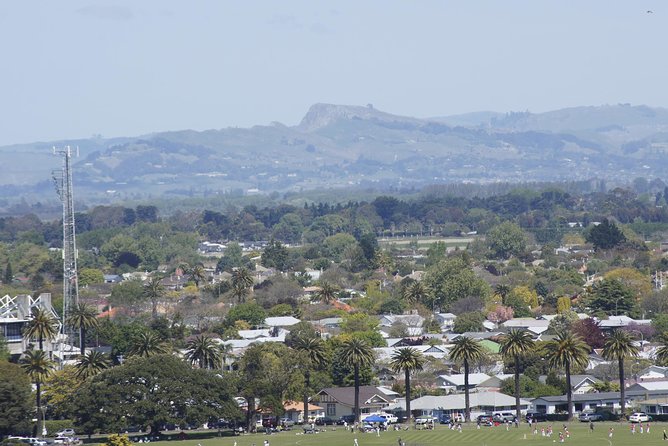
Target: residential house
{"points": [[339, 401], [613, 322], [595, 400], [281, 321], [413, 322], [494, 383], [447, 321], [653, 372], [580, 383], [294, 411], [533, 325], [454, 405], [433, 351]]}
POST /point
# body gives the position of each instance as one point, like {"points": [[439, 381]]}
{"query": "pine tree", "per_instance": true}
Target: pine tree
{"points": [[9, 275]]}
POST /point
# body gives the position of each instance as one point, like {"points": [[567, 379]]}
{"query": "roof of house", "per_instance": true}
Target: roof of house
{"points": [[492, 346], [456, 401], [458, 380], [346, 395], [299, 406], [281, 321], [650, 385]]}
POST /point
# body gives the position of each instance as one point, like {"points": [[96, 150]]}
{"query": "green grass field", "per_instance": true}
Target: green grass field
{"points": [[486, 436]]}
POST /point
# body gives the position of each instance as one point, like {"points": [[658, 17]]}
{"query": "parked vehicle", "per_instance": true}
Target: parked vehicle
{"points": [[389, 417], [445, 418], [347, 419], [66, 433], [325, 421], [590, 416], [536, 416], [502, 417], [639, 417], [64, 440], [286, 422]]}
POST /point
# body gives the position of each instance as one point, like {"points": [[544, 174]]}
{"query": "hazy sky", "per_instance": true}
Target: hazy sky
{"points": [[126, 67]]}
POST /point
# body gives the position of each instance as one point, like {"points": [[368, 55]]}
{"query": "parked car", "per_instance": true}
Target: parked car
{"points": [[286, 422], [639, 417], [502, 417], [590, 416], [347, 419], [389, 417], [66, 433], [63, 440], [444, 418], [536, 416], [325, 421]]}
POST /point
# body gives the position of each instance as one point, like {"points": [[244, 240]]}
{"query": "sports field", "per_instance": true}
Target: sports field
{"points": [[485, 436]]}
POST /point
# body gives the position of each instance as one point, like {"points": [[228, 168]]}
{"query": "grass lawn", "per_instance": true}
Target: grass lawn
{"points": [[485, 436]]}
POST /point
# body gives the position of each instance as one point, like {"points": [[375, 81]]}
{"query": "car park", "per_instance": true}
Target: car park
{"points": [[639, 417], [590, 416]]}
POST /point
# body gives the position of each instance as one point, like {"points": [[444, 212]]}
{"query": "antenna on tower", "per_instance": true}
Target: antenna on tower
{"points": [[63, 181]]}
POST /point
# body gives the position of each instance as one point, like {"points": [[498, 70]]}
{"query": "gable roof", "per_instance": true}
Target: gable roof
{"points": [[458, 380], [346, 395]]}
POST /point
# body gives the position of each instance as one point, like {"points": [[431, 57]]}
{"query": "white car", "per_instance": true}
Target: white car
{"points": [[639, 417], [63, 440], [66, 433], [389, 418]]}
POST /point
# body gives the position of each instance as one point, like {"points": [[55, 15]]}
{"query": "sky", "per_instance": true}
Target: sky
{"points": [[73, 69]]}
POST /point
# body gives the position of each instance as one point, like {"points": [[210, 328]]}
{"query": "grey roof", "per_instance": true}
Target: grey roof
{"points": [[346, 395], [456, 401], [594, 396]]}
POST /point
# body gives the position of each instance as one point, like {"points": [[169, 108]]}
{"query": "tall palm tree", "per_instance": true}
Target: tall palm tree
{"points": [[407, 359], [327, 293], [619, 345], [153, 290], [566, 351], [242, 283], [38, 367], [357, 353], [203, 351], [313, 350], [466, 350], [147, 344], [42, 326], [82, 317], [415, 292], [91, 364], [514, 345]]}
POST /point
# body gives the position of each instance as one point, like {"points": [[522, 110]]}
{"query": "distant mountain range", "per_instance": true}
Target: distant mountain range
{"points": [[343, 146]]}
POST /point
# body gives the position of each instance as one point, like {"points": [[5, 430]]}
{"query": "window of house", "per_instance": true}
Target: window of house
{"points": [[331, 409]]}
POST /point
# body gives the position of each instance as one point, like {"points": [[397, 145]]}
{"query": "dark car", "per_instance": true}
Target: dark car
{"points": [[350, 419], [536, 416], [325, 421], [445, 419], [484, 419]]}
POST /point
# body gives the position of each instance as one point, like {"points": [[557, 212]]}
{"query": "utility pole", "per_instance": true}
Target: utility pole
{"points": [[63, 182]]}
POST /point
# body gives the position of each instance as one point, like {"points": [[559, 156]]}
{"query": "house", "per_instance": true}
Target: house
{"points": [[339, 401], [413, 322], [594, 400], [494, 383], [580, 383], [533, 325], [447, 321], [294, 411], [653, 372], [650, 385], [112, 278], [654, 406], [455, 383], [480, 403], [434, 351], [613, 322]]}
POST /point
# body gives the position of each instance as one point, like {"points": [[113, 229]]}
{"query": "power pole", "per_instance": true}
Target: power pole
{"points": [[63, 182]]}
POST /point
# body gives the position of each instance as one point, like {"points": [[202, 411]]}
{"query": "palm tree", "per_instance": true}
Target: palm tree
{"points": [[38, 367], [502, 290], [327, 293], [42, 326], [313, 349], [153, 290], [147, 344], [356, 353], [242, 283], [514, 345], [415, 292], [203, 351], [619, 345], [466, 350], [662, 351], [196, 273], [91, 364], [407, 359], [82, 317], [568, 350]]}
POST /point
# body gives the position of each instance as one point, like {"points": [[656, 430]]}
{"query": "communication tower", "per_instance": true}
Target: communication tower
{"points": [[63, 181]]}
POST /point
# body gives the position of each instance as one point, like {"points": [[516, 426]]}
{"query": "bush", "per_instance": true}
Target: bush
{"points": [[53, 426], [557, 417]]}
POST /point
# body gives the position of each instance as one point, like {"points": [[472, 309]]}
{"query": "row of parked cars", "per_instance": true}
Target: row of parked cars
{"points": [[64, 437]]}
